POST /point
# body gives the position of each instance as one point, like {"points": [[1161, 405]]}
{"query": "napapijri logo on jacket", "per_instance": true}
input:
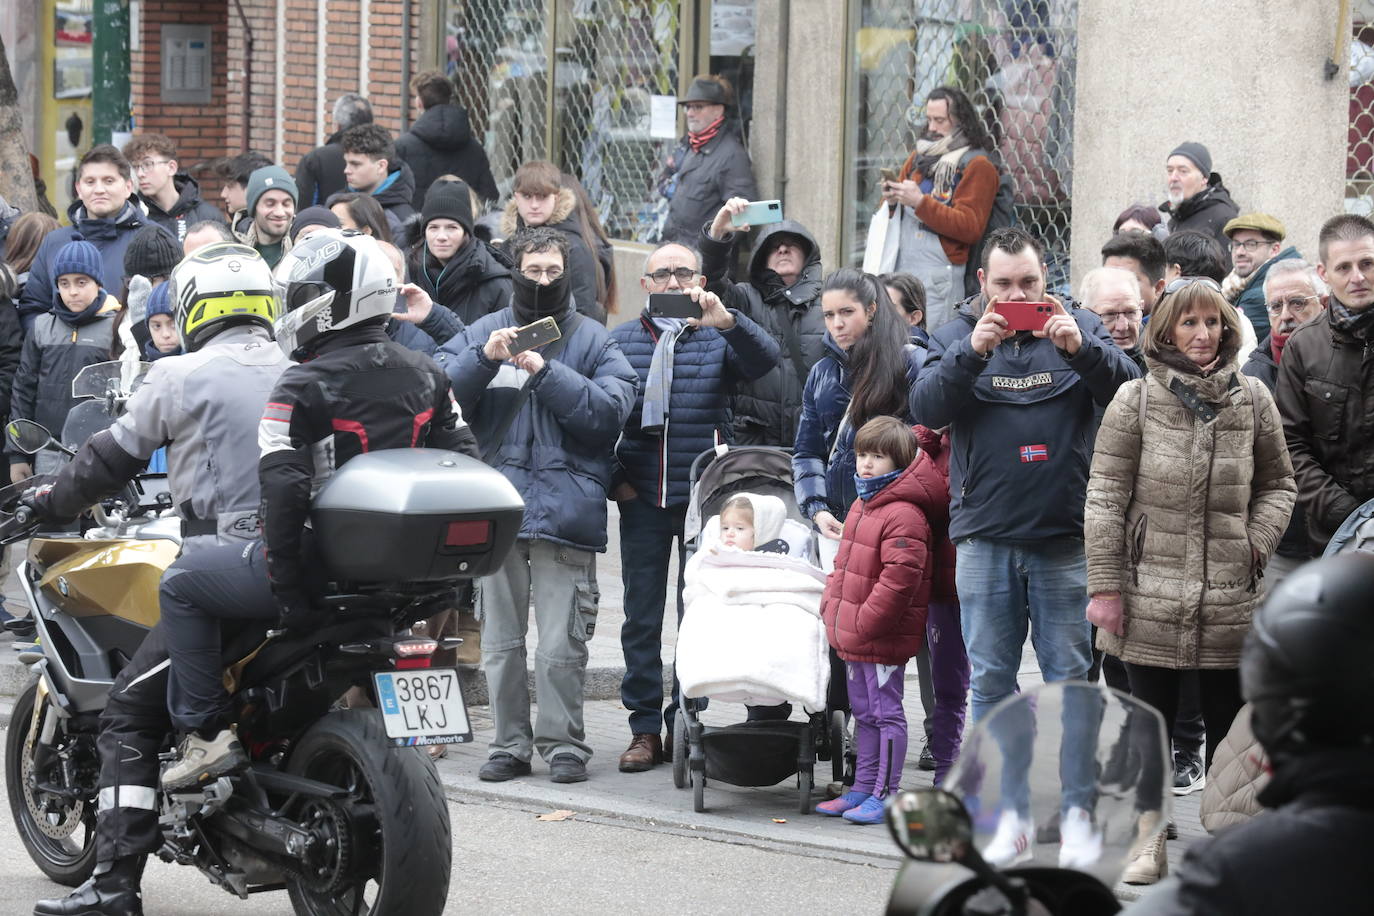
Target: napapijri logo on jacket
{"points": [[1022, 382]]}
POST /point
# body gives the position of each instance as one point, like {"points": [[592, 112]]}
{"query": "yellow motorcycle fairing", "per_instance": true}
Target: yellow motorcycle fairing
{"points": [[94, 578]]}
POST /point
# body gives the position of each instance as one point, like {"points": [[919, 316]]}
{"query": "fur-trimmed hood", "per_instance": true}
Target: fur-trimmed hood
{"points": [[562, 209]]}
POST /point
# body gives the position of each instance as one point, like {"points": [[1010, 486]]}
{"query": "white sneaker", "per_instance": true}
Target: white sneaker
{"points": [[1011, 844], [1080, 842]]}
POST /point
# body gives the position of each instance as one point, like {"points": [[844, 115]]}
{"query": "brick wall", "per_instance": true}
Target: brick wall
{"points": [[203, 133], [197, 130]]}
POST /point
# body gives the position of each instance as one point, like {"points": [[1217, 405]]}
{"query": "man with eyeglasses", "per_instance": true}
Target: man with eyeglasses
{"points": [[687, 369], [1113, 294], [1255, 242], [710, 164], [1294, 295], [171, 197], [548, 418], [1326, 383]]}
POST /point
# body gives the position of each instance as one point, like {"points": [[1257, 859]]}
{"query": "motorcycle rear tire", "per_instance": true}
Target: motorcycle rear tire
{"points": [[63, 866], [413, 866]]}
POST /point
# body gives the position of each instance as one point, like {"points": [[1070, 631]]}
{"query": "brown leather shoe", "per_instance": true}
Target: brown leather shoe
{"points": [[644, 753]]}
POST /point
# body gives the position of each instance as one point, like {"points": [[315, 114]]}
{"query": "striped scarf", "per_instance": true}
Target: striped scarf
{"points": [[699, 138], [1350, 321]]}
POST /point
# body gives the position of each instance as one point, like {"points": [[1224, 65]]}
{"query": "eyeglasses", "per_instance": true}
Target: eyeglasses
{"points": [[1185, 282], [1294, 304], [1249, 244], [148, 165], [683, 274], [1110, 318], [535, 273]]}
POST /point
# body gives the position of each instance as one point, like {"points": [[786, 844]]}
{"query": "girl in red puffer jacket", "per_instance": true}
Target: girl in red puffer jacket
{"points": [[874, 606]]}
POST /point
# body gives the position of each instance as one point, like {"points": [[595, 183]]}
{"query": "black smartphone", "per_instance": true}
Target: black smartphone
{"points": [[673, 305], [535, 334]]}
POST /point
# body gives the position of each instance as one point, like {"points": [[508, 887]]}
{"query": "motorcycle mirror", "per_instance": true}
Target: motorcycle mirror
{"points": [[931, 825], [27, 436]]}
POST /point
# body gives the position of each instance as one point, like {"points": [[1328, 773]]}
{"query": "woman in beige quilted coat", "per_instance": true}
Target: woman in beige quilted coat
{"points": [[1190, 490]]}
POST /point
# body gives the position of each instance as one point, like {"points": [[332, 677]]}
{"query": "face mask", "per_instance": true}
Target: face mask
{"points": [[533, 300]]}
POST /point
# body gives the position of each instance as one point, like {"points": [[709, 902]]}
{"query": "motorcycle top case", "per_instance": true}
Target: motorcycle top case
{"points": [[415, 515]]}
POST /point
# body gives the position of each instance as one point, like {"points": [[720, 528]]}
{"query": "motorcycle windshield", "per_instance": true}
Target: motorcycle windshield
{"points": [[1070, 775], [115, 378]]}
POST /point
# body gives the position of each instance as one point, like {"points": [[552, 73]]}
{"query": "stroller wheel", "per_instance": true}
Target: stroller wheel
{"points": [[680, 749], [836, 740], [804, 781], [698, 792]]}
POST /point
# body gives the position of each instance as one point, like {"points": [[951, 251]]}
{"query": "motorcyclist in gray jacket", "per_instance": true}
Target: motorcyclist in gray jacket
{"points": [[205, 406]]}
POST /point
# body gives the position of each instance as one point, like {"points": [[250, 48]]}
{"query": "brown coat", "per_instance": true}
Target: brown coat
{"points": [[1172, 515]]}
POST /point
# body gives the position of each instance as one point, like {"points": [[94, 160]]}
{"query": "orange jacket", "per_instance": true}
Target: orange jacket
{"points": [[961, 222]]}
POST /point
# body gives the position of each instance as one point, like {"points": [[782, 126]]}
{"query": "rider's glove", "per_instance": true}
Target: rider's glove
{"points": [[36, 500]]}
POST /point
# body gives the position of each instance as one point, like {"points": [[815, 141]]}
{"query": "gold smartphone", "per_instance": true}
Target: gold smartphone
{"points": [[534, 334]]}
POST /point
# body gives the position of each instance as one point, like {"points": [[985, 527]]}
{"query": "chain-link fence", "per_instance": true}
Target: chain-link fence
{"points": [[1015, 59], [1359, 165], [593, 118]]}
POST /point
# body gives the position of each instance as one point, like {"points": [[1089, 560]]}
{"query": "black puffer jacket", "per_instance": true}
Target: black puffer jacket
{"points": [[767, 410], [187, 211], [440, 142], [1207, 211], [1309, 855], [475, 281]]}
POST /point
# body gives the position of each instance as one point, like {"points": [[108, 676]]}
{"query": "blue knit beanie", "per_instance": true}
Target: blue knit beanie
{"points": [[159, 301], [78, 257]]}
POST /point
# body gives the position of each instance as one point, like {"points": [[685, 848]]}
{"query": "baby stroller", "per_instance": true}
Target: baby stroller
{"points": [[760, 753]]}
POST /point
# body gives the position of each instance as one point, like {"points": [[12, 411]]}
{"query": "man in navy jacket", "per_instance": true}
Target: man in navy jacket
{"points": [[687, 373], [1020, 407], [547, 418]]}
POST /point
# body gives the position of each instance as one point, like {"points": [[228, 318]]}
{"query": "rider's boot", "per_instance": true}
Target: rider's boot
{"points": [[111, 891]]}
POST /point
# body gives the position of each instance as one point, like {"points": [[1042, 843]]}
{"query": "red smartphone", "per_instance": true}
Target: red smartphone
{"points": [[1025, 316]]}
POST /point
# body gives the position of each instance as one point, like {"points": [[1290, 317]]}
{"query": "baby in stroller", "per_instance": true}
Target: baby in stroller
{"points": [[752, 631]]}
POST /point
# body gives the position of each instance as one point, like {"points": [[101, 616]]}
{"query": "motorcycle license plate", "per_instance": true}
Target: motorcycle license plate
{"points": [[424, 706]]}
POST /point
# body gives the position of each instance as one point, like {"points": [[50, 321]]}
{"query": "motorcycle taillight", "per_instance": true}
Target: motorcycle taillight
{"points": [[421, 661]]}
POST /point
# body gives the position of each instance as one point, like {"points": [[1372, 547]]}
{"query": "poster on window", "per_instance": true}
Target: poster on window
{"points": [[732, 27], [71, 73]]}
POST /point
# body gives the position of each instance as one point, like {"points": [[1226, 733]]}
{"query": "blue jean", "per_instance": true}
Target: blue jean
{"points": [[646, 536], [1008, 587]]}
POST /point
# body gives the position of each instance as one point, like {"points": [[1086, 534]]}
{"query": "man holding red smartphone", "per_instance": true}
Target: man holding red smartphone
{"points": [[1020, 405]]}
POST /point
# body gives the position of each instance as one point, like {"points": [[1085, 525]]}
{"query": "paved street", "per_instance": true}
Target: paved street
{"points": [[750, 841]]}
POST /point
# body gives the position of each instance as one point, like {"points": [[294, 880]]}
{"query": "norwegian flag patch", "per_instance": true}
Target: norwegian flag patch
{"points": [[1034, 453]]}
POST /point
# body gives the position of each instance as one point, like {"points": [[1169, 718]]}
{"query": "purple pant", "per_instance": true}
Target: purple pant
{"points": [[949, 674], [875, 698]]}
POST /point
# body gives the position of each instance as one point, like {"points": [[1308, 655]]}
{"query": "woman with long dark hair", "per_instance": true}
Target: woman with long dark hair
{"points": [[866, 372]]}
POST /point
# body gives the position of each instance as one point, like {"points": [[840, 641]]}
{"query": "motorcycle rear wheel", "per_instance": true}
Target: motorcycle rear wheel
{"points": [[404, 865], [63, 846]]}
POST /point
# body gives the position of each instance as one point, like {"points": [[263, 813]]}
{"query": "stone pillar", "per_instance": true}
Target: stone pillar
{"points": [[1243, 77]]}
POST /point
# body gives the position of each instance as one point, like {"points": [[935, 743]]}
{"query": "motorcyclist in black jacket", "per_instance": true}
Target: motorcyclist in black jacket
{"points": [[1306, 671]]}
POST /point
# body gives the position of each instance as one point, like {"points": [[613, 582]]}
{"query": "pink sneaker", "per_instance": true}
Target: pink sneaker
{"points": [[838, 806]]}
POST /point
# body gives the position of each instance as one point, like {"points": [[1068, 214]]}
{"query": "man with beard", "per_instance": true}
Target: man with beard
{"points": [[1197, 198], [103, 215], [1294, 295], [710, 166], [1255, 240], [548, 418], [940, 202], [271, 202]]}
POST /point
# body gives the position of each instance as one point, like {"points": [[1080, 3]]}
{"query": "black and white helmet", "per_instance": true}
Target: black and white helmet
{"points": [[332, 280]]}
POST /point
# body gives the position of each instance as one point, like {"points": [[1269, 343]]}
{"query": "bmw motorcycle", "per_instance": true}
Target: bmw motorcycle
{"points": [[341, 808], [1054, 793]]}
